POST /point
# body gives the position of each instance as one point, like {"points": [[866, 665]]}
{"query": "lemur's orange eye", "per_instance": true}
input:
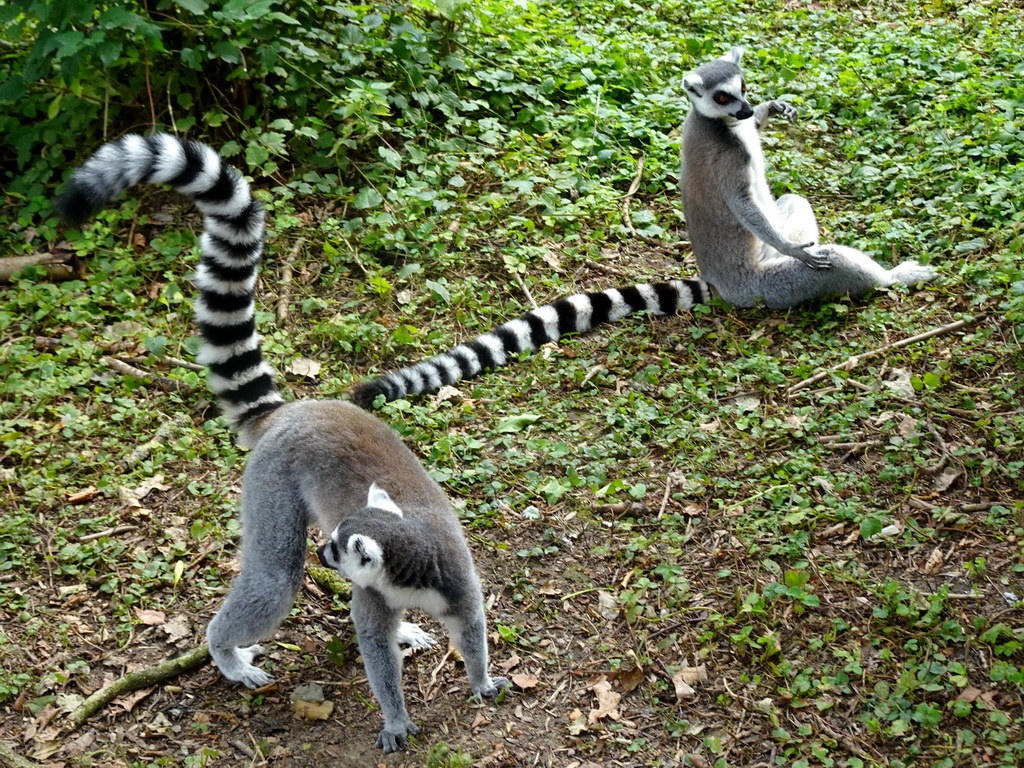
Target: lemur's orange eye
{"points": [[722, 98]]}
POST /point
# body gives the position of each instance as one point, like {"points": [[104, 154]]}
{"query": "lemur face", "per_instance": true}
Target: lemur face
{"points": [[359, 558], [720, 94]]}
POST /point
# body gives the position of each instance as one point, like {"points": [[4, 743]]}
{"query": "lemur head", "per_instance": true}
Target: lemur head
{"points": [[717, 89], [358, 556]]}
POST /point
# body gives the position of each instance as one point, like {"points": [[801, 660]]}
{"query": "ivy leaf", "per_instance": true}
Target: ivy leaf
{"points": [[367, 197]]}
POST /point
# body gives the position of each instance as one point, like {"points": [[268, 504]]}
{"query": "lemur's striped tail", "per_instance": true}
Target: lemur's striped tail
{"points": [[231, 244], [574, 314]]}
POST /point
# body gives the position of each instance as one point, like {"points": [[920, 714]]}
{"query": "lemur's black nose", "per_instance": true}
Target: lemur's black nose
{"points": [[320, 555], [745, 111]]}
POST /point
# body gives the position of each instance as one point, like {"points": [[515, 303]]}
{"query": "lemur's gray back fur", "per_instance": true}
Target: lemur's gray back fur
{"points": [[749, 247], [311, 461]]}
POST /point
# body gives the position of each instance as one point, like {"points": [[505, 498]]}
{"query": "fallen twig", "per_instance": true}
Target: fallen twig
{"points": [[57, 266], [286, 280], [109, 532], [628, 220], [943, 460], [524, 289], [607, 269], [11, 759], [166, 384], [854, 360], [135, 681]]}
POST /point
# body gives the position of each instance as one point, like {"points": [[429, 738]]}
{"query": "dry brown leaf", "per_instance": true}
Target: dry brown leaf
{"points": [[448, 393], [550, 588], [683, 689], [710, 426], [577, 722], [907, 427], [607, 605], [309, 710], [607, 702], [934, 562], [694, 675], [525, 681], [84, 495], [630, 679], [304, 368], [151, 618], [945, 479], [511, 663]]}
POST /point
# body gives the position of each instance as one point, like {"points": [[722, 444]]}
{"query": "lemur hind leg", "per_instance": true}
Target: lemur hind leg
{"points": [[260, 599], [273, 553], [799, 223]]}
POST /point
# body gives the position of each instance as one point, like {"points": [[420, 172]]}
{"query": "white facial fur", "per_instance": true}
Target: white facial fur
{"points": [[378, 498], [361, 559], [709, 101]]}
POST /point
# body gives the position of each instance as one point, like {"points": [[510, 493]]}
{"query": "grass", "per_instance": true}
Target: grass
{"points": [[846, 563]]}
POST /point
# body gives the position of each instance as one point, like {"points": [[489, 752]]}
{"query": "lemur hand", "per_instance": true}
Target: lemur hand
{"points": [[810, 254], [783, 108]]}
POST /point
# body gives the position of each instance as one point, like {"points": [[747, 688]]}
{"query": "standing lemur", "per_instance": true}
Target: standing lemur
{"points": [[392, 529], [749, 247]]}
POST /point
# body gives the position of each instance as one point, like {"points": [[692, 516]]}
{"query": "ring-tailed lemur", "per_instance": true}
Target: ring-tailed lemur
{"points": [[749, 247], [326, 462], [574, 314]]}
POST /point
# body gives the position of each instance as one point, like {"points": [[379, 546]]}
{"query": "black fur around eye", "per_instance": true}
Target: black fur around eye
{"points": [[335, 555], [722, 98]]}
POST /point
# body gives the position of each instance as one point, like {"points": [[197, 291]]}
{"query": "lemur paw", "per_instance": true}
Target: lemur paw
{"points": [[491, 691], [392, 738], [412, 635], [817, 256], [787, 110], [238, 667], [912, 273]]}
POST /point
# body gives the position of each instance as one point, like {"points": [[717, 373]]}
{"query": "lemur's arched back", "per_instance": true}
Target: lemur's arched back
{"points": [[316, 461]]}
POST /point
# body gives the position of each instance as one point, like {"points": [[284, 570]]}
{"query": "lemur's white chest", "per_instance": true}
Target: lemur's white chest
{"points": [[746, 132]]}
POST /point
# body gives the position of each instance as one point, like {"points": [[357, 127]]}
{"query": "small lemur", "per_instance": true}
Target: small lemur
{"points": [[578, 313], [393, 530], [749, 247]]}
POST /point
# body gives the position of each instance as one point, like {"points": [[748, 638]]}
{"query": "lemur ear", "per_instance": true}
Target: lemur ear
{"points": [[694, 84], [378, 498], [734, 55], [367, 550]]}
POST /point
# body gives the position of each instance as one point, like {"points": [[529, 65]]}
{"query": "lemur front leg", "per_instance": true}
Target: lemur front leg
{"points": [[467, 629], [377, 629]]}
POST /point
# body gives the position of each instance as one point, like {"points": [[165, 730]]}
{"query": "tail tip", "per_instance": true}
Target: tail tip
{"points": [[76, 204], [365, 393]]}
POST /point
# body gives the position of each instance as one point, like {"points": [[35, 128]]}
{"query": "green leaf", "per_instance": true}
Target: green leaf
{"points": [[367, 197], [198, 7], [390, 157], [869, 527], [439, 291], [517, 423]]}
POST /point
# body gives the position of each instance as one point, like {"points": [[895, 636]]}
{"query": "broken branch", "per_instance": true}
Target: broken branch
{"points": [[58, 267], [854, 360], [136, 681]]}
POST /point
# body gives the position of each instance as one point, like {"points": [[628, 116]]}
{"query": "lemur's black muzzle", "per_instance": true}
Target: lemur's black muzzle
{"points": [[745, 111], [320, 555]]}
